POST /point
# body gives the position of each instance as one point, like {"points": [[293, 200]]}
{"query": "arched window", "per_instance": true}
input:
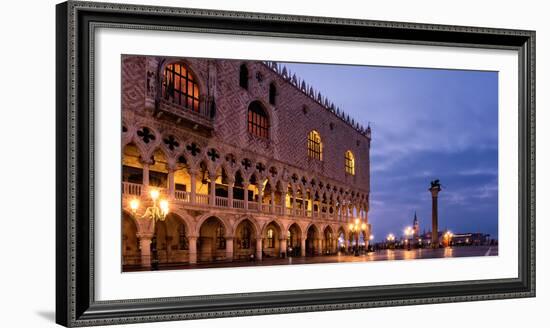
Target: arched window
{"points": [[243, 77], [314, 145], [258, 122], [350, 163], [180, 86], [183, 245], [272, 93], [270, 239]]}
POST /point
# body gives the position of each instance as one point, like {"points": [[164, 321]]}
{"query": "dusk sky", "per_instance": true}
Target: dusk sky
{"points": [[426, 124]]}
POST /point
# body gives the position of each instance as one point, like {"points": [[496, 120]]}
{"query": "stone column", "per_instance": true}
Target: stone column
{"points": [[230, 185], [259, 248], [260, 195], [283, 202], [193, 177], [272, 201], [303, 247], [245, 187], [435, 189], [229, 248], [282, 246], [212, 189], [171, 184], [294, 202], [145, 249], [145, 188], [318, 249], [192, 249]]}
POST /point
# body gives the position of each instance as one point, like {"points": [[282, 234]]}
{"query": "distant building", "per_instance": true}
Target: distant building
{"points": [[416, 227]]}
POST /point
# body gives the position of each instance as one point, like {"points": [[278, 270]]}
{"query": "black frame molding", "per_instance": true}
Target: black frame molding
{"points": [[75, 26]]}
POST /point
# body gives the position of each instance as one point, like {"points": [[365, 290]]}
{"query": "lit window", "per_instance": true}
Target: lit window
{"points": [[350, 163], [258, 122], [314, 145], [180, 87]]}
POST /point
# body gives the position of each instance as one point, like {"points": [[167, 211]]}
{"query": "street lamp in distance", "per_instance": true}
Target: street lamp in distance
{"points": [[408, 233], [356, 228]]}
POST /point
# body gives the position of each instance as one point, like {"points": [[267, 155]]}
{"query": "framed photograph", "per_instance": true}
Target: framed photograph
{"points": [[216, 164]]}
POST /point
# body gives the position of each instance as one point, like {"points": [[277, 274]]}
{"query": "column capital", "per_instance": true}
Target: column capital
{"points": [[142, 235], [145, 161]]}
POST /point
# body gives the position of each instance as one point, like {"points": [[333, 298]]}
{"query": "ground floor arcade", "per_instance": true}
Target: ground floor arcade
{"points": [[194, 237]]}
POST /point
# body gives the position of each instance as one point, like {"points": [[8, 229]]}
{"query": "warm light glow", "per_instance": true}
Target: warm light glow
{"points": [[390, 237], [164, 206], [154, 194], [350, 226], [134, 204], [364, 226], [356, 221], [371, 237], [350, 163]]}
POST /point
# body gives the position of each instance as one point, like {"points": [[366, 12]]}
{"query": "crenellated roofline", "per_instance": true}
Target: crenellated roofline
{"points": [[308, 90]]}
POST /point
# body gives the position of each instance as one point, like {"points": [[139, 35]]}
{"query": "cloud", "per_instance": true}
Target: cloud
{"points": [[426, 124]]}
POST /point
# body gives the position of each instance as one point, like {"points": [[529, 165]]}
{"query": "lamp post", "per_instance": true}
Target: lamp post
{"points": [[155, 213], [390, 238], [448, 237], [408, 232], [371, 238], [356, 228]]}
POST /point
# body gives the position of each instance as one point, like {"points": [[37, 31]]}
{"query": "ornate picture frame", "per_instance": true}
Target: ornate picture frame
{"points": [[77, 23]]}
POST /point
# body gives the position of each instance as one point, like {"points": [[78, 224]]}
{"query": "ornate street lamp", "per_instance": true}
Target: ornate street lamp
{"points": [[356, 228], [154, 213]]}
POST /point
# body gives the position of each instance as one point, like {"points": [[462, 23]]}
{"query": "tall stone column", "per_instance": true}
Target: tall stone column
{"points": [[282, 246], [229, 248], [259, 248], [192, 249], [435, 189], [303, 247], [245, 187], [193, 178], [145, 249], [212, 189]]}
